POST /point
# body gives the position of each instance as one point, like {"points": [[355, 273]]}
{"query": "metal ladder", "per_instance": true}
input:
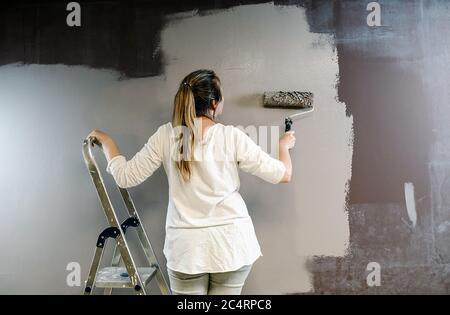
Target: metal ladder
{"points": [[115, 276]]}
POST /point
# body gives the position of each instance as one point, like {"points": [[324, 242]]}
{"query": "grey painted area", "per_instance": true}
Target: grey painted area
{"points": [[51, 209], [436, 72], [393, 80], [52, 214], [406, 255]]}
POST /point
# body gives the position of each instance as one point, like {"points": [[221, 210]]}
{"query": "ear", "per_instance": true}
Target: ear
{"points": [[214, 104]]}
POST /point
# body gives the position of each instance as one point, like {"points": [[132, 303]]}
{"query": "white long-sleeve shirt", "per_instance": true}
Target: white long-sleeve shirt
{"points": [[208, 228]]}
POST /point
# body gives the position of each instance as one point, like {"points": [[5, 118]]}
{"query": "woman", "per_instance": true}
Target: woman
{"points": [[210, 243]]}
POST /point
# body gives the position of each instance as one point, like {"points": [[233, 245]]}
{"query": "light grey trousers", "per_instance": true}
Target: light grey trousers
{"points": [[223, 283]]}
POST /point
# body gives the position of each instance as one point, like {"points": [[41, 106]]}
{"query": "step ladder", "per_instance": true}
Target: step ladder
{"points": [[115, 276]]}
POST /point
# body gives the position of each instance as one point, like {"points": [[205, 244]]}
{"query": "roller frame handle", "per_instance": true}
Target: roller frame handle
{"points": [[288, 124]]}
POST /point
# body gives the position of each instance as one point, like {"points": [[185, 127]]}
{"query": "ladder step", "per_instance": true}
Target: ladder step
{"points": [[117, 277]]}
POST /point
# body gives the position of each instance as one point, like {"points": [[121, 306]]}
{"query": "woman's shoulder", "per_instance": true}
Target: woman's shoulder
{"points": [[165, 128], [223, 128], [227, 129], [162, 131]]}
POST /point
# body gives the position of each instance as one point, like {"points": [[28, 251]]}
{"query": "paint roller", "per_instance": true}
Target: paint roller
{"points": [[290, 100]]}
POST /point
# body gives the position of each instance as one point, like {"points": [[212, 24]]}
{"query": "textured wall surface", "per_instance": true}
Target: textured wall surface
{"points": [[62, 104], [392, 80], [382, 117]]}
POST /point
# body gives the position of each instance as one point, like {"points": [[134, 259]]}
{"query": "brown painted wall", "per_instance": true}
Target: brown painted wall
{"points": [[392, 80]]}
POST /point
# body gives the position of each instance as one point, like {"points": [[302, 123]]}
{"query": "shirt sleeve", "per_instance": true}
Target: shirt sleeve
{"points": [[141, 166], [251, 158]]}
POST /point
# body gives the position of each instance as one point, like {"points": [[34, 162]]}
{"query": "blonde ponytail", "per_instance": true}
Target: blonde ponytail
{"points": [[193, 99], [184, 116]]}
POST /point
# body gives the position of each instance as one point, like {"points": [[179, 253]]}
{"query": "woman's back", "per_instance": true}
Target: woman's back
{"points": [[208, 228], [211, 196]]}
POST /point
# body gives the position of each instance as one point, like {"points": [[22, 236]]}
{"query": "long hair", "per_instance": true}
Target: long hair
{"points": [[193, 99]]}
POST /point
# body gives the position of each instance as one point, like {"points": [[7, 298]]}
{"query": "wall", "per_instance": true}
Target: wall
{"points": [[380, 126], [56, 213], [392, 80]]}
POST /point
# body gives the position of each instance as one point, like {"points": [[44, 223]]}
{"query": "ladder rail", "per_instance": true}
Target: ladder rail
{"points": [[89, 286], [115, 262], [110, 214], [121, 250], [144, 241]]}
